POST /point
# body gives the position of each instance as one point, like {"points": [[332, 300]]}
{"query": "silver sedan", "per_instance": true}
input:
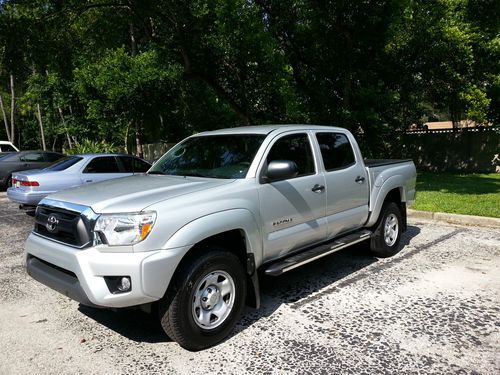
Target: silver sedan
{"points": [[30, 187]]}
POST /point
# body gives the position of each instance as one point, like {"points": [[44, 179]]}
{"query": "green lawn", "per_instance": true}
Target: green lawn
{"points": [[468, 194]]}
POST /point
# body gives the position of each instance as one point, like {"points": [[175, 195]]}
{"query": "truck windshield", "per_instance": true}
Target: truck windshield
{"points": [[213, 156]]}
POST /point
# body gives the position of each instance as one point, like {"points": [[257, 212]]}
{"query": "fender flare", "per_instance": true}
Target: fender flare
{"points": [[393, 182], [223, 221]]}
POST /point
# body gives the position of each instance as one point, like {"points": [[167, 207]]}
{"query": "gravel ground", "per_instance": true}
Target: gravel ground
{"points": [[433, 308]]}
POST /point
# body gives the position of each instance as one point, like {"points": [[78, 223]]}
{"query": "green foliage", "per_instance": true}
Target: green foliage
{"points": [[88, 146], [161, 70]]}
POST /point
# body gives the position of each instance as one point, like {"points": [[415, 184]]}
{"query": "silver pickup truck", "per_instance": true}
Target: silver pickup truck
{"points": [[191, 236]]}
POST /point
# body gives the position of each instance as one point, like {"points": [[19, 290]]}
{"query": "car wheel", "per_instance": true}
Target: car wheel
{"points": [[205, 301], [9, 182], [387, 234]]}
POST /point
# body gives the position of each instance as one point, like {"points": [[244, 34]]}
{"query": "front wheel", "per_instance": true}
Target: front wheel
{"points": [[387, 234], [205, 301]]}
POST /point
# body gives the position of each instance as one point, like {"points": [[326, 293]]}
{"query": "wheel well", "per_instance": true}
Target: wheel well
{"points": [[235, 242], [395, 196]]}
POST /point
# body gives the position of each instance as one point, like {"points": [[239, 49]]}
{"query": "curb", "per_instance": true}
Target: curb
{"points": [[480, 221]]}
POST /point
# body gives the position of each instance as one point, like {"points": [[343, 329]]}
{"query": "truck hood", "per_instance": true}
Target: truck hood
{"points": [[134, 193]]}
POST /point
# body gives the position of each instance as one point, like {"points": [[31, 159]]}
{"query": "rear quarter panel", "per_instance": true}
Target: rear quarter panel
{"points": [[383, 179]]}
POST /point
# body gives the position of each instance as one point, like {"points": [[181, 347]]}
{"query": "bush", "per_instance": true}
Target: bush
{"points": [[92, 147]]}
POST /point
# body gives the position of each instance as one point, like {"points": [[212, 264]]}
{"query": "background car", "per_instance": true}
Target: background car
{"points": [[28, 188], [7, 147], [24, 160]]}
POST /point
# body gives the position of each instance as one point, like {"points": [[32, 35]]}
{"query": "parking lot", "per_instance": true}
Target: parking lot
{"points": [[433, 308]]}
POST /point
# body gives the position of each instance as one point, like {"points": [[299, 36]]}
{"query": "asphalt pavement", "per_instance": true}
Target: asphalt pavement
{"points": [[432, 308]]}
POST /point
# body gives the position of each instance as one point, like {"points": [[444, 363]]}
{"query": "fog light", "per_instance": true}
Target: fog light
{"points": [[118, 284], [124, 285]]}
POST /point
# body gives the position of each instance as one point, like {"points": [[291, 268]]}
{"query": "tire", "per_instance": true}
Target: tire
{"points": [[205, 301], [9, 182], [385, 243]]}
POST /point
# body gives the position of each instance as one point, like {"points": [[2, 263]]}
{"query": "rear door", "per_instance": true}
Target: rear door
{"points": [[32, 160], [102, 168], [293, 210], [347, 189]]}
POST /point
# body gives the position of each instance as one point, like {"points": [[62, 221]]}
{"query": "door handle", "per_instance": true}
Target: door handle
{"points": [[318, 188], [360, 179], [88, 180]]}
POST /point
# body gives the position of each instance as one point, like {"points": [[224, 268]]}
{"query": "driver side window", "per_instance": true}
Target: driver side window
{"points": [[296, 148]]}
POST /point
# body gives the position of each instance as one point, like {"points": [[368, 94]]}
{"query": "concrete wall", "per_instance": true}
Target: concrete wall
{"points": [[465, 151]]}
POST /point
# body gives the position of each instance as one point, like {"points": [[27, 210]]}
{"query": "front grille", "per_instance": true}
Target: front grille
{"points": [[67, 227]]}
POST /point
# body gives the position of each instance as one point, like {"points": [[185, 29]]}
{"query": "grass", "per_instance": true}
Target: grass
{"points": [[467, 194]]}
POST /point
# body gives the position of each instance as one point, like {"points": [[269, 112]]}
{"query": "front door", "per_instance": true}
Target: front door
{"points": [[293, 210]]}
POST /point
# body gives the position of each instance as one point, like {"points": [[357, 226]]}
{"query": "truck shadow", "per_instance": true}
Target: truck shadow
{"points": [[290, 289]]}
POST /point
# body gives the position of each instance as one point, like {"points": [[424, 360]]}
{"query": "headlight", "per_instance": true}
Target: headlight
{"points": [[124, 229]]}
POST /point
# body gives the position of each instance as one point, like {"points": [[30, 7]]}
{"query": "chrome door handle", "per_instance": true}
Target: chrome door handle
{"points": [[360, 179], [318, 188]]}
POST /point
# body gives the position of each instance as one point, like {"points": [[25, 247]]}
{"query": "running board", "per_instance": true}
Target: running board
{"points": [[296, 260]]}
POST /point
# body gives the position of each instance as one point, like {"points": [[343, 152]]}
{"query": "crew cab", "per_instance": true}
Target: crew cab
{"points": [[191, 237]]}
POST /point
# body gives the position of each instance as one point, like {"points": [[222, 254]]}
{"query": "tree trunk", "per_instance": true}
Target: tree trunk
{"points": [[138, 135], [42, 133], [12, 109], [138, 140], [70, 145], [5, 120]]}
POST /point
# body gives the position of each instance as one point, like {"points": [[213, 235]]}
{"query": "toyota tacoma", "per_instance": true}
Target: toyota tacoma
{"points": [[191, 237]]}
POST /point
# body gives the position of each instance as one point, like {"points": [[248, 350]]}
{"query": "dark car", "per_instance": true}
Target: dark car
{"points": [[24, 160]]}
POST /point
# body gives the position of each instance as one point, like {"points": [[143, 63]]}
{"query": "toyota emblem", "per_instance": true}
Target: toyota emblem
{"points": [[52, 222]]}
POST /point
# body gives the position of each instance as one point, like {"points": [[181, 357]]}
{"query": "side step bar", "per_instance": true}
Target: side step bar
{"points": [[296, 260]]}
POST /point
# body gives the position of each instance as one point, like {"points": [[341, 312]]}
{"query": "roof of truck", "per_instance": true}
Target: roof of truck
{"points": [[266, 129]]}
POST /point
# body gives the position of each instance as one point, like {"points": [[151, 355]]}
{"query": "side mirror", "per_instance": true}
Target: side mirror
{"points": [[278, 170]]}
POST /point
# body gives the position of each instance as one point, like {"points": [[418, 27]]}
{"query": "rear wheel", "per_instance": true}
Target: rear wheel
{"points": [[205, 301], [387, 234], [9, 182]]}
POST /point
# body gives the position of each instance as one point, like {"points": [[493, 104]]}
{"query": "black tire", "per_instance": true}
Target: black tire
{"points": [[9, 182], [378, 245], [177, 308]]}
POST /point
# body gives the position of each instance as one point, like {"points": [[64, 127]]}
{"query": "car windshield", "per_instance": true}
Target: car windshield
{"points": [[63, 164], [214, 156]]}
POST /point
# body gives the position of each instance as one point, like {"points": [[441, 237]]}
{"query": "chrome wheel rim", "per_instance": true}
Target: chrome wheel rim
{"points": [[213, 299], [391, 230]]}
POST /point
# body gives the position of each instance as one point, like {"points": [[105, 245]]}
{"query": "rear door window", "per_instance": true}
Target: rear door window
{"points": [[336, 150], [32, 157], [103, 164]]}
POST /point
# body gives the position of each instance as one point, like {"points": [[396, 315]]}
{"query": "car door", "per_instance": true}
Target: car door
{"points": [[31, 160], [101, 168], [347, 190], [293, 215]]}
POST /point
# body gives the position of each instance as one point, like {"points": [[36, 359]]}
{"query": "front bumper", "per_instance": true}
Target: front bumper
{"points": [[79, 274], [25, 197]]}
